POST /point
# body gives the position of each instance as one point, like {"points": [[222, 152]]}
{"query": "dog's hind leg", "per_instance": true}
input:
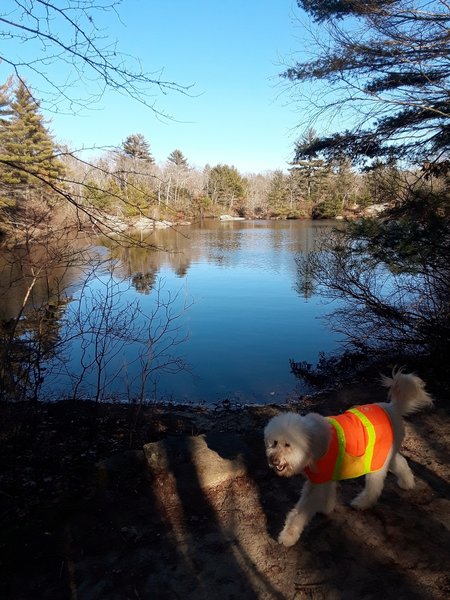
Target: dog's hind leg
{"points": [[372, 490], [314, 499], [399, 466], [329, 495]]}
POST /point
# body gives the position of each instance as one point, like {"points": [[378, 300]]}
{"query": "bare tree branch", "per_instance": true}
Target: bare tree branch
{"points": [[51, 34]]}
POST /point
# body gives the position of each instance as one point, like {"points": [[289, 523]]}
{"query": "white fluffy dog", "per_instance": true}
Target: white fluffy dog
{"points": [[363, 441]]}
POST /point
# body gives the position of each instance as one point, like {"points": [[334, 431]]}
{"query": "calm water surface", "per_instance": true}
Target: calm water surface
{"points": [[245, 319], [231, 290]]}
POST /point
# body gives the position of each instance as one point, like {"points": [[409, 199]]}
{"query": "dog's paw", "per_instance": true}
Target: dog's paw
{"points": [[288, 537], [361, 503], [406, 482], [293, 527]]}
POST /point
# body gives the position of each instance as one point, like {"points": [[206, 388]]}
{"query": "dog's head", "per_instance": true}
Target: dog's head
{"points": [[287, 444]]}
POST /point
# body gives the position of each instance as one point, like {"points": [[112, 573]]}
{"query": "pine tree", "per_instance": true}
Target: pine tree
{"points": [[5, 103], [278, 194], [27, 148], [136, 146], [226, 186], [5, 114], [385, 64], [308, 172], [310, 176], [177, 158]]}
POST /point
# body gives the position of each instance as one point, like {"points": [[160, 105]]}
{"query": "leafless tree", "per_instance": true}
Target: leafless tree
{"points": [[121, 345], [72, 35], [94, 343]]}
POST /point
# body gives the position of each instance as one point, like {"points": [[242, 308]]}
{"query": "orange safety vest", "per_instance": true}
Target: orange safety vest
{"points": [[361, 439]]}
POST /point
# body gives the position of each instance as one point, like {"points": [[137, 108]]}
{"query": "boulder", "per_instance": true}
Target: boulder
{"points": [[203, 461]]}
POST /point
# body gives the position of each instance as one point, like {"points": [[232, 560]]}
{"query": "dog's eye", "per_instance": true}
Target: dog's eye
{"points": [[274, 443], [287, 445]]}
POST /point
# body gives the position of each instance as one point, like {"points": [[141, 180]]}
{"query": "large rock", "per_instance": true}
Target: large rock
{"points": [[147, 224], [198, 461]]}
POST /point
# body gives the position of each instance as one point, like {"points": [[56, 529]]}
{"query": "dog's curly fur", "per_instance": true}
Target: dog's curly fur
{"points": [[294, 442]]}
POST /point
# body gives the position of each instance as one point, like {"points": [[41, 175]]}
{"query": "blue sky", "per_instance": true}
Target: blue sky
{"points": [[237, 112]]}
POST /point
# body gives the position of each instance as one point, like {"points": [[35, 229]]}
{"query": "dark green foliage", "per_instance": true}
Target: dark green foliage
{"points": [[383, 182], [322, 10], [226, 186], [392, 60], [393, 275], [177, 158], [328, 208], [310, 177], [136, 146], [389, 62], [5, 103], [278, 194], [414, 237], [28, 155], [96, 196]]}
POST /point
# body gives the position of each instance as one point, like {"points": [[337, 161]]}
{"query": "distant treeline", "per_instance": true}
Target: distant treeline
{"points": [[40, 180]]}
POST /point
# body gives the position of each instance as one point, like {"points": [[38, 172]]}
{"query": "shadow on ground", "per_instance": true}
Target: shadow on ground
{"points": [[121, 527]]}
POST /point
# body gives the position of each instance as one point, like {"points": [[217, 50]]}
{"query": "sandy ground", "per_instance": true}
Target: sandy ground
{"points": [[84, 517]]}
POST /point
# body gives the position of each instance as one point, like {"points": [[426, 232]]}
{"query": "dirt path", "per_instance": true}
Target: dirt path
{"points": [[77, 524]]}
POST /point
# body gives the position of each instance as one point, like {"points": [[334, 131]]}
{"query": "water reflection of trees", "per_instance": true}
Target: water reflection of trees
{"points": [[176, 249], [304, 284], [64, 303], [211, 241], [390, 293], [71, 302], [306, 260], [142, 265], [34, 277], [117, 343], [143, 282], [26, 346]]}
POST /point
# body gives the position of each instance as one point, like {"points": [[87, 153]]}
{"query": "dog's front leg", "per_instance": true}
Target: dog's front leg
{"points": [[293, 527], [299, 516]]}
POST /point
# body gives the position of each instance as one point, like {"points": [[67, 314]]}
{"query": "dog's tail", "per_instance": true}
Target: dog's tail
{"points": [[406, 392]]}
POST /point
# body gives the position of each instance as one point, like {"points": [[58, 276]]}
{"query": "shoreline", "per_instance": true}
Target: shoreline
{"points": [[83, 517]]}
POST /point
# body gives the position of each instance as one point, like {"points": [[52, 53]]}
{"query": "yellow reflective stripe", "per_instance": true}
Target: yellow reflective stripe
{"points": [[341, 449], [371, 435]]}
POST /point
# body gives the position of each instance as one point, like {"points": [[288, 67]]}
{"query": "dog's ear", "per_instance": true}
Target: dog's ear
{"points": [[317, 433], [298, 432]]}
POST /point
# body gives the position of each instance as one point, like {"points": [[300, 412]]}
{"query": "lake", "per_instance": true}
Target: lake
{"points": [[220, 303]]}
